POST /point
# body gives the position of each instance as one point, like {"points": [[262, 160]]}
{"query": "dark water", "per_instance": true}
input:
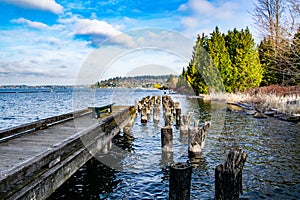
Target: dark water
{"points": [[270, 172]]}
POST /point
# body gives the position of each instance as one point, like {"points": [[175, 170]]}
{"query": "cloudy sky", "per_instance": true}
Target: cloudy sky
{"points": [[66, 42]]}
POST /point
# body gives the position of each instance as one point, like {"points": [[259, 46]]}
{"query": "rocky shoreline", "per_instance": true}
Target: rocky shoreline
{"points": [[250, 109]]}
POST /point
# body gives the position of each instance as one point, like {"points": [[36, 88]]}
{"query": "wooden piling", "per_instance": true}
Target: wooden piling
{"points": [[158, 100], [228, 177], [139, 106], [166, 157], [167, 139], [180, 181], [165, 105], [126, 129], [156, 113], [178, 116], [197, 138], [185, 124], [144, 117], [168, 119], [176, 106], [152, 101]]}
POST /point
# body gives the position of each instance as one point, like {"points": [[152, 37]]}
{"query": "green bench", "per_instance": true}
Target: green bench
{"points": [[101, 109]]}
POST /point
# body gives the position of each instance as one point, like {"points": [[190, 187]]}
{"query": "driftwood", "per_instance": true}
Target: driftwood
{"points": [[197, 138], [228, 177]]}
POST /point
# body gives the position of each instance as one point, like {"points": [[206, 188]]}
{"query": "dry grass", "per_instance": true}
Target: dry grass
{"points": [[281, 99]]}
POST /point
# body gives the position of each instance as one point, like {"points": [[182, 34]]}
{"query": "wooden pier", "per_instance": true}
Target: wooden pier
{"points": [[39, 157]]}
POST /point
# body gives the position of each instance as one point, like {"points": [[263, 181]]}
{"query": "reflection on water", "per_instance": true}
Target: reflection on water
{"points": [[271, 170]]}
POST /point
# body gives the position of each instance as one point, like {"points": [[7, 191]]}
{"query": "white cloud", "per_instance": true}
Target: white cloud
{"points": [[47, 5], [97, 30], [205, 15], [170, 50], [94, 27], [36, 25], [201, 9], [37, 58], [189, 22]]}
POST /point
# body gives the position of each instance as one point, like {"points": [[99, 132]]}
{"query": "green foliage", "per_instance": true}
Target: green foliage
{"points": [[198, 61], [182, 85], [270, 74], [247, 70], [231, 60], [135, 81], [221, 58]]}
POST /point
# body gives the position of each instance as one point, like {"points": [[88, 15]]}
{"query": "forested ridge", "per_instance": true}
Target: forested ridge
{"points": [[146, 81]]}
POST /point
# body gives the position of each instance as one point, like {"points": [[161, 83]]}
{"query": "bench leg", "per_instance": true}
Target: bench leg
{"points": [[98, 113]]}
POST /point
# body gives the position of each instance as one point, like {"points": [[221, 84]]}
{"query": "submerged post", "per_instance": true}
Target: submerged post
{"points": [[180, 181], [228, 177], [167, 138]]}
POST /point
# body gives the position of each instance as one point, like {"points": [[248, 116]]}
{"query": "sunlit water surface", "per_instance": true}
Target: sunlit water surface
{"points": [[270, 172]]}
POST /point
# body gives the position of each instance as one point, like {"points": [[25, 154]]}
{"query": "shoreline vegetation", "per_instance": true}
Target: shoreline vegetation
{"points": [[273, 100]]}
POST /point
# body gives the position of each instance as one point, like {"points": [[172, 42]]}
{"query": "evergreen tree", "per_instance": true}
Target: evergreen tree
{"points": [[231, 60], [244, 57], [270, 72], [221, 59], [193, 77]]}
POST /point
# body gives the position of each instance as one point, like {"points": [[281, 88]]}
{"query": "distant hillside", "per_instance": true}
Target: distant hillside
{"points": [[147, 81]]}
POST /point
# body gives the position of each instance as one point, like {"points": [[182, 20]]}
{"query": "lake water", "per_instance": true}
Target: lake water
{"points": [[271, 170]]}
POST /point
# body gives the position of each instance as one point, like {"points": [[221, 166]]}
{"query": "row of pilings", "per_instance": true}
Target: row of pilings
{"points": [[228, 176]]}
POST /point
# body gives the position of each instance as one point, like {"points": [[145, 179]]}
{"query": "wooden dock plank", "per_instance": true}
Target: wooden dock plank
{"points": [[30, 153], [24, 158]]}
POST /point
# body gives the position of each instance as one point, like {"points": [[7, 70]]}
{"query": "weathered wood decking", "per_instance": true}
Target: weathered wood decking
{"points": [[34, 164]]}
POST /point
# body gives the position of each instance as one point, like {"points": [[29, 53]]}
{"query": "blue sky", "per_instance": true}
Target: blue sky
{"points": [[52, 42]]}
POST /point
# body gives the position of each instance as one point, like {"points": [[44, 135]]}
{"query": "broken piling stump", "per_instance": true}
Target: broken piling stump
{"points": [[197, 138], [180, 181], [185, 124], [228, 177]]}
